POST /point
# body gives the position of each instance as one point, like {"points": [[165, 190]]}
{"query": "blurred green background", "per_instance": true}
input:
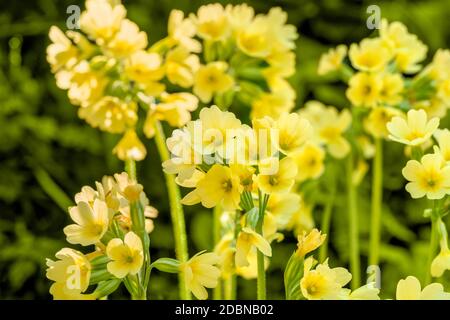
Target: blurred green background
{"points": [[47, 154]]}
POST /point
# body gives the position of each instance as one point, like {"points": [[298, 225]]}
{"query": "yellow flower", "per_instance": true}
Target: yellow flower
{"points": [[391, 88], [91, 223], [440, 263], [283, 35], [309, 242], [212, 22], [364, 89], [329, 126], [110, 114], [429, 177], [143, 67], [201, 271], [255, 40], [310, 162], [414, 130], [378, 118], [280, 99], [443, 139], [245, 174], [440, 66], [101, 20], [434, 107], [251, 271], [370, 55], [128, 40], [293, 132], [240, 16], [247, 239], [181, 66], [183, 31], [127, 255], [323, 283], [211, 79], [219, 186], [282, 206], [71, 273], [226, 252], [60, 292], [176, 108], [130, 147], [85, 85], [407, 49], [332, 60], [410, 289], [61, 53], [281, 64], [277, 176]]}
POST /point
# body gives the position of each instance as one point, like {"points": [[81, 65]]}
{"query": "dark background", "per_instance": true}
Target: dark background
{"points": [[47, 154]]}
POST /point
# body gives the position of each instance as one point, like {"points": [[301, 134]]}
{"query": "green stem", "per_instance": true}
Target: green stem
{"points": [[326, 219], [230, 288], [230, 284], [433, 244], [353, 224], [217, 212], [261, 280], [176, 211], [377, 200]]}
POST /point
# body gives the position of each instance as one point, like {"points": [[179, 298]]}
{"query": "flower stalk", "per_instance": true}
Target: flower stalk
{"points": [[261, 280], [377, 200]]}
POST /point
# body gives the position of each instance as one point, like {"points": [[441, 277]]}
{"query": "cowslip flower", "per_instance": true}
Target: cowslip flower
{"points": [[414, 130], [277, 176], [211, 22], [309, 242], [127, 255], [310, 162], [410, 289], [211, 79], [370, 55], [218, 186], [201, 271], [61, 53], [91, 223], [130, 147], [429, 177], [181, 66], [71, 273], [441, 262], [391, 88], [332, 60], [282, 206], [443, 140], [182, 31], [375, 123], [302, 219], [293, 132], [127, 40], [248, 239], [364, 89]]}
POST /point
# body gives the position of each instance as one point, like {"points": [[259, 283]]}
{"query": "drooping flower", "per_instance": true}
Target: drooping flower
{"points": [[293, 132], [212, 22], [309, 242], [248, 239], [276, 176], [375, 123], [201, 271], [128, 40], [370, 55], [130, 147], [332, 60], [127, 255]]}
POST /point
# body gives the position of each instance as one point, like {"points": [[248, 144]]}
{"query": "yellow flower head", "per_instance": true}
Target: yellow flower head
{"points": [[283, 35], [407, 49], [378, 118], [176, 108], [211, 79], [130, 147], [226, 253], [246, 241], [143, 67], [302, 219], [102, 20], [282, 206], [60, 292], [429, 177], [323, 283], [329, 126], [370, 55], [254, 40], [309, 242], [410, 289], [128, 40], [183, 31], [61, 52], [201, 271], [181, 66], [443, 139], [332, 60], [391, 88], [91, 223], [218, 186], [71, 272], [414, 130], [240, 16], [293, 132], [110, 114], [212, 22], [364, 89], [440, 263], [310, 162], [127, 255], [277, 176]]}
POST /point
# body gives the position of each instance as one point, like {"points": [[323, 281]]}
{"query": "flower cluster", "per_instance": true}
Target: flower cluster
{"points": [[244, 56], [110, 73]]}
